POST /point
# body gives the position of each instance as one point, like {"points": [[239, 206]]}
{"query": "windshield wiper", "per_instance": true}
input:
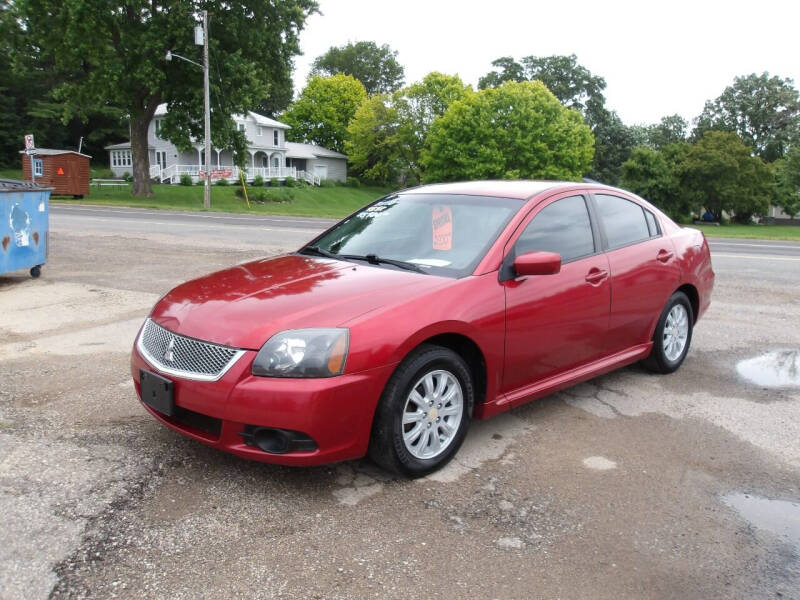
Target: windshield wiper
{"points": [[321, 252], [372, 259]]}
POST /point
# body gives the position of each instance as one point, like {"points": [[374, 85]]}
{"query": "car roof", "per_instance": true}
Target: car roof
{"points": [[501, 188]]}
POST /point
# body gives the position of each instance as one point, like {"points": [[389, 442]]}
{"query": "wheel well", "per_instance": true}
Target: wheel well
{"points": [[472, 355], [694, 297]]}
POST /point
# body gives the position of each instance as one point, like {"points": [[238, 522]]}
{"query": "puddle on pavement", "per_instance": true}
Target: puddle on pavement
{"points": [[779, 517], [780, 368]]}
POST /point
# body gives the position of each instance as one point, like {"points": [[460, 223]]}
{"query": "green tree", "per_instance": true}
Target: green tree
{"points": [[670, 130], [518, 130], [374, 66], [658, 176], [573, 84], [374, 146], [578, 88], [388, 132], [614, 142], [324, 109], [787, 182], [26, 83], [721, 169], [115, 55], [763, 110], [507, 69]]}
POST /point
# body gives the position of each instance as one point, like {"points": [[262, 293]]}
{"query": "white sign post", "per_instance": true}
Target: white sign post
{"points": [[30, 150]]}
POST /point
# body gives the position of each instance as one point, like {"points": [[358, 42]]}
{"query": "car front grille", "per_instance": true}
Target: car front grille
{"points": [[184, 356]]}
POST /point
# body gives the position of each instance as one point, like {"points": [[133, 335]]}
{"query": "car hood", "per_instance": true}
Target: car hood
{"points": [[243, 306]]}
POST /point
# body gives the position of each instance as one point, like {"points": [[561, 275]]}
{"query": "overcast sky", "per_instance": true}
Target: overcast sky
{"points": [[657, 58]]}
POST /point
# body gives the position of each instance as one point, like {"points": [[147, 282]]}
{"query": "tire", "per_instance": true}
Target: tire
{"points": [[36, 271], [674, 328], [414, 442]]}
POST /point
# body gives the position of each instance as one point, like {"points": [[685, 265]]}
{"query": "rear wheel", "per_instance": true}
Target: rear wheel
{"points": [[36, 271], [672, 336], [424, 412]]}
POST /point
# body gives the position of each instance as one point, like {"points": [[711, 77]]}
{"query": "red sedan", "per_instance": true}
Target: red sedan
{"points": [[430, 307]]}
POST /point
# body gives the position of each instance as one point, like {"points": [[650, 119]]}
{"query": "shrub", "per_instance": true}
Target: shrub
{"points": [[127, 176], [352, 182], [258, 181], [272, 195], [274, 182], [186, 179], [221, 182], [290, 182], [327, 183], [239, 192]]}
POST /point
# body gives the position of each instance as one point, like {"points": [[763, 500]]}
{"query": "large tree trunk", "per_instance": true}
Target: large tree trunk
{"points": [[140, 158]]}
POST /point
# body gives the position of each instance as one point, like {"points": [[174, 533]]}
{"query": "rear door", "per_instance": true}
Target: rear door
{"points": [[555, 322], [644, 270]]}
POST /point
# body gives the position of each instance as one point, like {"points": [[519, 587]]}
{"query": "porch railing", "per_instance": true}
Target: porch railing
{"points": [[309, 177], [172, 173]]}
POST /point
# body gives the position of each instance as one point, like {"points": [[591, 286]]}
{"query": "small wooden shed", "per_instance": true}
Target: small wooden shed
{"points": [[66, 171]]}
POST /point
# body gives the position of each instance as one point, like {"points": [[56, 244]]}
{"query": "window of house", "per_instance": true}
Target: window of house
{"points": [[623, 220], [113, 159], [158, 127], [276, 162], [260, 131], [38, 167], [275, 137], [562, 227], [241, 126]]}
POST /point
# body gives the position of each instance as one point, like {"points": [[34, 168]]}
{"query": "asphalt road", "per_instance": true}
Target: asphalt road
{"points": [[628, 486]]}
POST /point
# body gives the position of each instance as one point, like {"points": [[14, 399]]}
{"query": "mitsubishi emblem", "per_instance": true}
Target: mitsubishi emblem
{"points": [[169, 354]]}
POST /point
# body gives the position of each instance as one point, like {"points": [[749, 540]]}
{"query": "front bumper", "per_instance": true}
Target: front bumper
{"points": [[336, 412]]}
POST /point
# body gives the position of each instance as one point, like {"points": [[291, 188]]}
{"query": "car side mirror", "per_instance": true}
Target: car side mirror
{"points": [[537, 263]]}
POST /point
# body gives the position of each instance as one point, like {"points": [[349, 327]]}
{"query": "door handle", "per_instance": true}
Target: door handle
{"points": [[664, 255], [595, 276]]}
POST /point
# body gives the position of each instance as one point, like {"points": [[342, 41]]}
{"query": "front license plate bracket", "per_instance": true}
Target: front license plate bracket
{"points": [[157, 392]]}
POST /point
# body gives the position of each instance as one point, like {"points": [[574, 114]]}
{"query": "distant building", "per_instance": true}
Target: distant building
{"points": [[269, 155], [66, 171]]}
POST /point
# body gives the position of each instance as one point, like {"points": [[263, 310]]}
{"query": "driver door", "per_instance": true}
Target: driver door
{"points": [[555, 323]]}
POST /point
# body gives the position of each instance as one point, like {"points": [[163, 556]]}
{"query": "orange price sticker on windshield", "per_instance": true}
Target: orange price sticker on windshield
{"points": [[442, 220]]}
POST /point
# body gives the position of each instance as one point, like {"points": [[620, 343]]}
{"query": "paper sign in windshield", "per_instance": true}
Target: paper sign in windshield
{"points": [[442, 228]]}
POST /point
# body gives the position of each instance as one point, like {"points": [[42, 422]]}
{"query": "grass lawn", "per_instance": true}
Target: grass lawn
{"points": [[331, 202], [752, 232]]}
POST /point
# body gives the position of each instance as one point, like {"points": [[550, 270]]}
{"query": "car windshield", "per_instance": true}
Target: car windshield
{"points": [[433, 233]]}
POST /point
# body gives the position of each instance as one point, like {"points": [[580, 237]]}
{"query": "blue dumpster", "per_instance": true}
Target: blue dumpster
{"points": [[24, 226]]}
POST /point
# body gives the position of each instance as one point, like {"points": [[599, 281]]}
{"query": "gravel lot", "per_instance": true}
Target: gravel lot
{"points": [[629, 486]]}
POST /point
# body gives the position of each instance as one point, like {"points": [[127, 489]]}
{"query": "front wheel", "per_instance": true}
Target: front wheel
{"points": [[672, 336], [424, 412]]}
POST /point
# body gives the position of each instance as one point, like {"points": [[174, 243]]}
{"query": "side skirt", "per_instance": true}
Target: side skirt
{"points": [[552, 384]]}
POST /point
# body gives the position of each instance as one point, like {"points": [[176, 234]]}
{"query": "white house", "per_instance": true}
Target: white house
{"points": [[269, 155]]}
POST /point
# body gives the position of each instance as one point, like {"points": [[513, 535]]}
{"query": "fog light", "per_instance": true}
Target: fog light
{"points": [[271, 440], [277, 441]]}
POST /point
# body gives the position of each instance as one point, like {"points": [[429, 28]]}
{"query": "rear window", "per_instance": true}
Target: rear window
{"points": [[624, 221], [652, 224]]}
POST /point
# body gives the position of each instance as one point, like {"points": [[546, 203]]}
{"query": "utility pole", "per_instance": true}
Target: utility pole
{"points": [[207, 108]]}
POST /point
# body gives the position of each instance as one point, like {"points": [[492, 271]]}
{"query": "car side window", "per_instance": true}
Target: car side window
{"points": [[562, 227], [652, 224], [624, 221]]}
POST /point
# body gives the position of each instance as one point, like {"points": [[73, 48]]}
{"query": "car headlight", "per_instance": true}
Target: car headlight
{"points": [[303, 353]]}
